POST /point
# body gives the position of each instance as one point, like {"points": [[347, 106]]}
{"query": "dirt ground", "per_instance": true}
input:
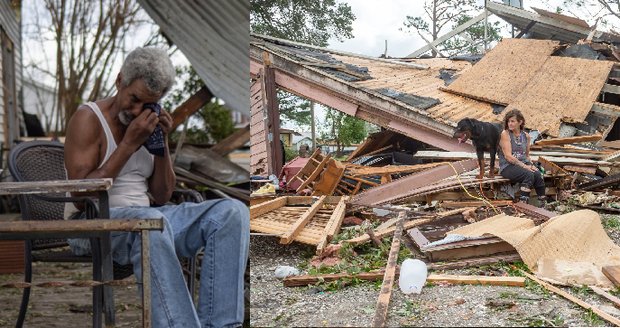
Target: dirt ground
{"points": [[65, 307], [326, 305]]}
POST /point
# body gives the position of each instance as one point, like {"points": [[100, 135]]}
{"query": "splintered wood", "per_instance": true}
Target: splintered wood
{"points": [[309, 220]]}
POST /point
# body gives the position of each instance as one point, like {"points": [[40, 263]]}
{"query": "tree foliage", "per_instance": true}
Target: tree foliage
{"points": [[440, 16], [343, 129], [308, 21], [214, 119]]}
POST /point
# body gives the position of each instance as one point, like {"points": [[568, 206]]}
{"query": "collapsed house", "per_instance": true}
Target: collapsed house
{"points": [[565, 80]]}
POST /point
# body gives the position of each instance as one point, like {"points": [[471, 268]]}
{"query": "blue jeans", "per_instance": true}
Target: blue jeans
{"points": [[222, 227]]}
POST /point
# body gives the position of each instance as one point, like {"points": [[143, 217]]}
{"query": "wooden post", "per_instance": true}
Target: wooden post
{"points": [[383, 301], [273, 116]]}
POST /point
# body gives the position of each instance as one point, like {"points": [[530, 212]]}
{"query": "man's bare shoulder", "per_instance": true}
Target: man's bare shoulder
{"points": [[84, 124]]}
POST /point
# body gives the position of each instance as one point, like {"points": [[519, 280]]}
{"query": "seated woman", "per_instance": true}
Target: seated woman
{"points": [[514, 158]]}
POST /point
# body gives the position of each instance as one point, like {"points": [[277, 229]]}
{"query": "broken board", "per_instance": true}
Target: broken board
{"points": [[309, 220], [501, 75], [563, 90]]}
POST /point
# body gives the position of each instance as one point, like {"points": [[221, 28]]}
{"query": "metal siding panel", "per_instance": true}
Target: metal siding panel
{"points": [[214, 37], [9, 22]]}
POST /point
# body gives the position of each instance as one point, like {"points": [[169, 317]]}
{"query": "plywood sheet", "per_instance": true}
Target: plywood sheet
{"points": [[500, 76], [564, 89]]}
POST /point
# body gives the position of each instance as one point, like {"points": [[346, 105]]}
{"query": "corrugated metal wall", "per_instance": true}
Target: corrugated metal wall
{"points": [[214, 36], [12, 27]]}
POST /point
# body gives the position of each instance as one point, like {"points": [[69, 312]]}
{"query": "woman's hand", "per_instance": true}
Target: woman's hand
{"points": [[530, 167]]}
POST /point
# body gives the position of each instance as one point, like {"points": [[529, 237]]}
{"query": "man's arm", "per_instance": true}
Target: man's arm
{"points": [[83, 145], [163, 179]]}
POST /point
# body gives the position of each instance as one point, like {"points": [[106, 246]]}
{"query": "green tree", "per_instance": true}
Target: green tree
{"points": [[471, 40], [308, 21], [343, 129], [215, 118], [443, 15]]}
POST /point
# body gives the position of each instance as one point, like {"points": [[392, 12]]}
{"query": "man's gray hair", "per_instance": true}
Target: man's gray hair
{"points": [[151, 65]]}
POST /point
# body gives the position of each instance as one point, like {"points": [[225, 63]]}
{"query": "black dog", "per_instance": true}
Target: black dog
{"points": [[484, 136]]}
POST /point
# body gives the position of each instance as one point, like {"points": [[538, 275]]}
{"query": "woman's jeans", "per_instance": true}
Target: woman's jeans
{"points": [[222, 227]]}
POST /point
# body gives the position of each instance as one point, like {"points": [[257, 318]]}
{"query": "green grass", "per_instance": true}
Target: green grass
{"points": [[593, 319], [611, 222], [583, 290]]}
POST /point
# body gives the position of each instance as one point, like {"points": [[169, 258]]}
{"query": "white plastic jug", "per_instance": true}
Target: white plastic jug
{"points": [[412, 276]]}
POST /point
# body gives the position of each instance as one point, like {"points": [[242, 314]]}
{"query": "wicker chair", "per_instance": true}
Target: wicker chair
{"points": [[44, 160]]}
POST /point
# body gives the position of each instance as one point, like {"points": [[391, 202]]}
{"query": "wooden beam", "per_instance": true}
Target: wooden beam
{"points": [[383, 301], [450, 34], [296, 228], [297, 281], [525, 30], [613, 273], [569, 140], [54, 186], [190, 106], [273, 116], [266, 207], [333, 226], [606, 109], [580, 169], [233, 141], [607, 295], [575, 300]]}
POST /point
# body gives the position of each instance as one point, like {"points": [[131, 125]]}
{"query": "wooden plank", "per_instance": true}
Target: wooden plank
{"points": [[383, 301], [233, 141], [551, 167], [474, 203], [607, 295], [190, 106], [468, 248], [478, 280], [315, 174], [575, 300], [333, 226], [35, 229], [262, 208], [475, 262], [448, 35], [580, 169], [563, 90], [339, 213], [491, 81], [330, 178], [613, 273], [297, 281], [54, 186], [294, 230], [418, 238], [569, 140]]}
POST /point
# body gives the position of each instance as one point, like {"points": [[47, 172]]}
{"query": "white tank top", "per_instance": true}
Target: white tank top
{"points": [[131, 185]]}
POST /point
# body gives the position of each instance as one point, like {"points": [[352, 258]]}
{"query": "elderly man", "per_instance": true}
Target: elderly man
{"points": [[116, 138]]}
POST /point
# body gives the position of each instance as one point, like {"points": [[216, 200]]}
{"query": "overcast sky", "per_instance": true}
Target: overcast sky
{"points": [[376, 22]]}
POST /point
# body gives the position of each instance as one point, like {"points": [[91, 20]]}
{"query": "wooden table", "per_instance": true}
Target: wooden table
{"points": [[98, 228]]}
